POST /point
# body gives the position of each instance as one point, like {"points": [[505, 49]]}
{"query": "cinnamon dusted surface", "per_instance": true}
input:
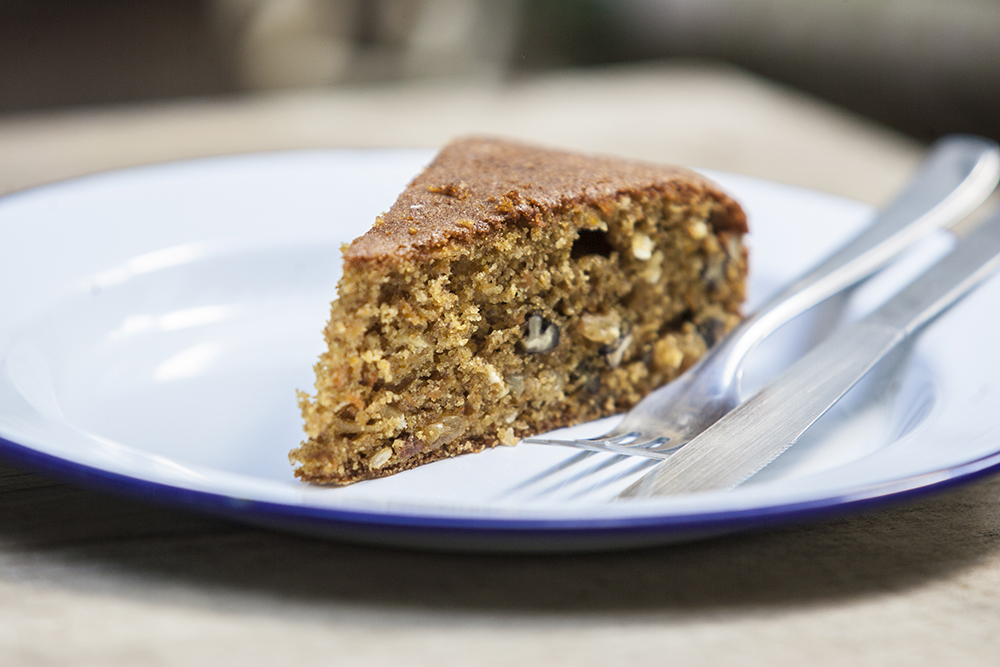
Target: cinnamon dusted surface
{"points": [[505, 181]]}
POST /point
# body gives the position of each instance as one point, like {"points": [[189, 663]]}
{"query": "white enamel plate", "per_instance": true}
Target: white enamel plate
{"points": [[155, 324]]}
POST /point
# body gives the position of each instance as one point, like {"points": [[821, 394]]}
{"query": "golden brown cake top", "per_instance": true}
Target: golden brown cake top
{"points": [[478, 184]]}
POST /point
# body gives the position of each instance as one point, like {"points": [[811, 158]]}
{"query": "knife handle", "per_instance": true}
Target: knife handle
{"points": [[958, 174], [973, 260]]}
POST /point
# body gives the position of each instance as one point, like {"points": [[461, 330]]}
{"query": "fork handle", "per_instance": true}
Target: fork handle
{"points": [[959, 173]]}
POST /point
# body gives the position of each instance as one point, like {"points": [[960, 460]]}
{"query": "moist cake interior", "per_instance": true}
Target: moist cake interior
{"points": [[506, 294]]}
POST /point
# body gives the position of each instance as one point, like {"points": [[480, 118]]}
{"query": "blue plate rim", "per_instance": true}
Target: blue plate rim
{"points": [[470, 533]]}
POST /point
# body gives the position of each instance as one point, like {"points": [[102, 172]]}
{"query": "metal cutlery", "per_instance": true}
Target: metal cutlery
{"points": [[956, 177], [756, 432]]}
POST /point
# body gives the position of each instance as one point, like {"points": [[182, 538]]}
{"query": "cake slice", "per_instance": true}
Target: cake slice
{"points": [[511, 290]]}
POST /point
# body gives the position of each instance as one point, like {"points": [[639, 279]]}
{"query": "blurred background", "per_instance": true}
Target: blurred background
{"points": [[924, 67]]}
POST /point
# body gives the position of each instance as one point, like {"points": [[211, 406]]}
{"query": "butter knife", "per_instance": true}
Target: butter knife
{"points": [[756, 432]]}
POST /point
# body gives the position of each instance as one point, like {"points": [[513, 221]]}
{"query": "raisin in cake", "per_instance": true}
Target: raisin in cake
{"points": [[511, 290]]}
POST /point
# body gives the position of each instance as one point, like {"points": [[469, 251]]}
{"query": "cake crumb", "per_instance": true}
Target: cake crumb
{"points": [[642, 246], [381, 458], [507, 437], [698, 230], [605, 329], [667, 355]]}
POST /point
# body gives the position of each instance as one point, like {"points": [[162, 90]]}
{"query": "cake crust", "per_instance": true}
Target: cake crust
{"points": [[478, 184], [511, 290]]}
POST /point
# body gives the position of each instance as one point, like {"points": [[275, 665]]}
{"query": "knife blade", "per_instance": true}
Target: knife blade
{"points": [[756, 432]]}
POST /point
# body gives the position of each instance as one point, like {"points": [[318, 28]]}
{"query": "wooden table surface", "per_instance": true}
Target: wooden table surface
{"points": [[94, 579]]}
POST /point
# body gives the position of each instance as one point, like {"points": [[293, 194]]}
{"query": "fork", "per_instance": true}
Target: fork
{"points": [[958, 174]]}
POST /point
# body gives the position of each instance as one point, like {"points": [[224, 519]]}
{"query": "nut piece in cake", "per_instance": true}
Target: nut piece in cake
{"points": [[511, 290]]}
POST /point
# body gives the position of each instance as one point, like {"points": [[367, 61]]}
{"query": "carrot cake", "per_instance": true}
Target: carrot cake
{"points": [[511, 290]]}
